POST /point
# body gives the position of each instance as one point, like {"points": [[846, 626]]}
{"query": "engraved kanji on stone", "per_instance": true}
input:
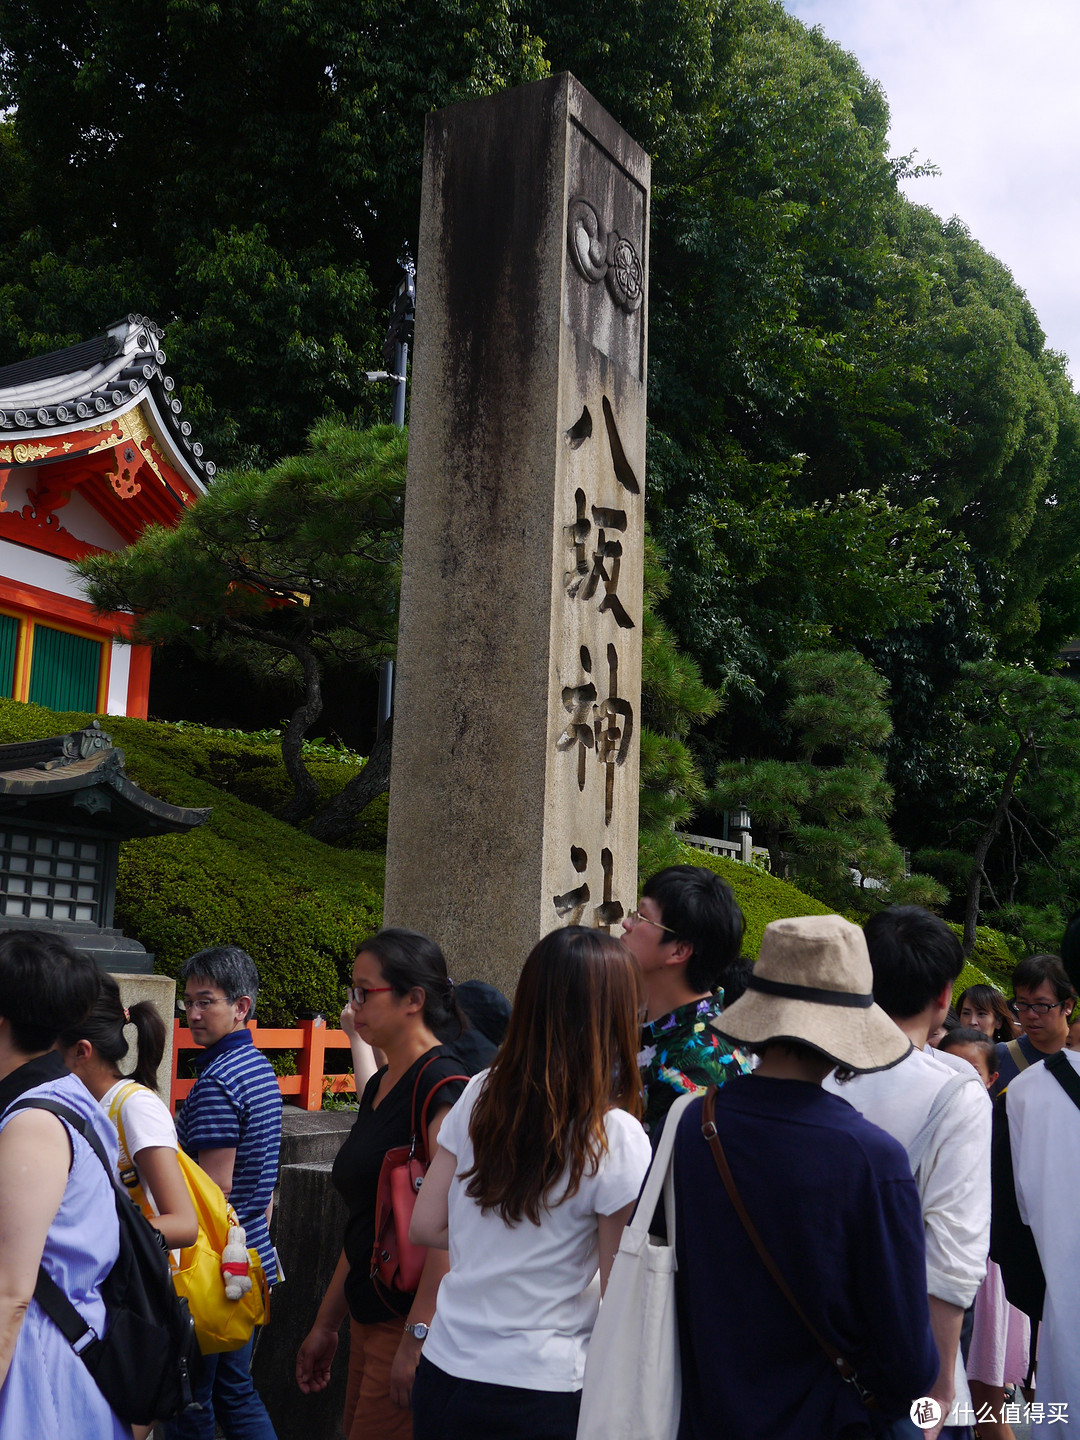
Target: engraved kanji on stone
{"points": [[574, 900], [610, 911], [579, 701], [614, 731], [598, 561]]}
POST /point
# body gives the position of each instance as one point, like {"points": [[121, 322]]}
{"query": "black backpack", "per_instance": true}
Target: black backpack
{"points": [[148, 1360]]}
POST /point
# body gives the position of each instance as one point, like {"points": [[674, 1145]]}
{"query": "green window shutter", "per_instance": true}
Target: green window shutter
{"points": [[64, 670], [9, 641]]}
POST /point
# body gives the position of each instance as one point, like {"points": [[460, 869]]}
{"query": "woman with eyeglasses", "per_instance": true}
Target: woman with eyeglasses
{"points": [[537, 1171], [401, 999]]}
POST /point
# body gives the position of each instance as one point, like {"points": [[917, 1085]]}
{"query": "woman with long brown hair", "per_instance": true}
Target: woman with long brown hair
{"points": [[538, 1168], [985, 1008]]}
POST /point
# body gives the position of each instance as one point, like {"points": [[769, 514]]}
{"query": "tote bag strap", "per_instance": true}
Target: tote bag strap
{"points": [[413, 1117], [708, 1129], [944, 1098], [128, 1174], [1019, 1059], [661, 1176], [428, 1105]]}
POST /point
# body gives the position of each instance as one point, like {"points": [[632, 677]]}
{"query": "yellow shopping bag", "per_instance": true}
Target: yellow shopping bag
{"points": [[220, 1323]]}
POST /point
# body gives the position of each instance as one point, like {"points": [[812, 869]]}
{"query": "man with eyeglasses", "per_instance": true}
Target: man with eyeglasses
{"points": [[1042, 1110], [685, 933], [1044, 998], [230, 1124]]}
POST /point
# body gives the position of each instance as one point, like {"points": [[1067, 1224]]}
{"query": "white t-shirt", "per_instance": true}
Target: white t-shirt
{"points": [[518, 1305], [953, 1176], [147, 1123], [1044, 1131]]}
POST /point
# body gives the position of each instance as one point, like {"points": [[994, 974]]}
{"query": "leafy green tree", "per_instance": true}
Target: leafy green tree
{"points": [[247, 173], [1018, 793], [294, 571], [673, 699], [829, 801]]}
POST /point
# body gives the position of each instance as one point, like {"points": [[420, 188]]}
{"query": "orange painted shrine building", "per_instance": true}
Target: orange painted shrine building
{"points": [[92, 449]]}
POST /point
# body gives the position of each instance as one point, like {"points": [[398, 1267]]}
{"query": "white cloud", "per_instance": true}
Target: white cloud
{"points": [[987, 89]]}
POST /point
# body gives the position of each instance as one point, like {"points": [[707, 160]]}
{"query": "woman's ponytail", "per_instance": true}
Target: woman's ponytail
{"points": [[150, 1038], [104, 1028]]}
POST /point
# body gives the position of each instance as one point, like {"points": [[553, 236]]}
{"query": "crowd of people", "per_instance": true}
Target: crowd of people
{"points": [[828, 1196]]}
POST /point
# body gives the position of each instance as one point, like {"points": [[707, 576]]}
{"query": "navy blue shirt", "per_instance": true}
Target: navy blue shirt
{"points": [[235, 1104], [1007, 1067], [834, 1202]]}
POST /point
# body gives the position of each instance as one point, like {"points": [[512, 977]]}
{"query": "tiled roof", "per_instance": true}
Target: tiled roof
{"points": [[80, 778], [90, 382]]}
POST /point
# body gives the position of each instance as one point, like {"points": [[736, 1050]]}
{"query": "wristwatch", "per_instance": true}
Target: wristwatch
{"points": [[418, 1331]]}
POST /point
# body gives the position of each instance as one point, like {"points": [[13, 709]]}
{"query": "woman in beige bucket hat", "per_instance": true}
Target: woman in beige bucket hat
{"points": [[813, 985], [833, 1203]]}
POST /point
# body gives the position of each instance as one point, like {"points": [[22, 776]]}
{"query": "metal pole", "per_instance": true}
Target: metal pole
{"points": [[386, 696], [401, 366]]}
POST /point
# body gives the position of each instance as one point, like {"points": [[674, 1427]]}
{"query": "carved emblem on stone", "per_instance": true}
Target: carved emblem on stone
{"points": [[602, 254]]}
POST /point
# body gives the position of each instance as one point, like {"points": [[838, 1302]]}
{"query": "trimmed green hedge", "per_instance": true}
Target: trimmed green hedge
{"points": [[762, 898], [299, 907], [994, 955]]}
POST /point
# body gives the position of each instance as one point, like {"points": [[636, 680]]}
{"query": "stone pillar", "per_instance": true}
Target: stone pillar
{"points": [[513, 798], [161, 992]]}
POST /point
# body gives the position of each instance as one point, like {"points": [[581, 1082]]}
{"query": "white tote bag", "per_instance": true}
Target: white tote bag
{"points": [[633, 1383]]}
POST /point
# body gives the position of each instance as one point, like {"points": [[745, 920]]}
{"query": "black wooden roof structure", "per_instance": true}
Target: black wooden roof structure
{"points": [[96, 381], [79, 779]]}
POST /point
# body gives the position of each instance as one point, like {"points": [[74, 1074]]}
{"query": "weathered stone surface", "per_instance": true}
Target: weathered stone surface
{"points": [[513, 802], [161, 992], [313, 1137], [308, 1229]]}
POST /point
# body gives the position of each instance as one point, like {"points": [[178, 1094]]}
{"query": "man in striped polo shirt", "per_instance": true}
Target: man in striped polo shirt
{"points": [[231, 1124]]}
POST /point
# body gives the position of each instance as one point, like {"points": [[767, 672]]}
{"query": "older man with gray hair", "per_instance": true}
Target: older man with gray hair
{"points": [[231, 1124]]}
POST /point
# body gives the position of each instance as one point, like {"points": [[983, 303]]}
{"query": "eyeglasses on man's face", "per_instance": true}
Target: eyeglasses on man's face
{"points": [[206, 1002], [1038, 1007], [358, 994], [636, 918]]}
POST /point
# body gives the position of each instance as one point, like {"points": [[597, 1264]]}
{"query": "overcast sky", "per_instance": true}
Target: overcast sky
{"points": [[988, 90]]}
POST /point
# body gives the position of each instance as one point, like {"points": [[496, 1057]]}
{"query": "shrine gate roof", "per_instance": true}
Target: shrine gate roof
{"points": [[98, 381], [79, 779]]}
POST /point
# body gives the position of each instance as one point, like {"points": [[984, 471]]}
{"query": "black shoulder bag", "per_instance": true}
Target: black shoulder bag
{"points": [[148, 1358]]}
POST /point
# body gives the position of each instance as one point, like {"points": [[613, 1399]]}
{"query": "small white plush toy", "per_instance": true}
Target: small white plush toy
{"points": [[235, 1264]]}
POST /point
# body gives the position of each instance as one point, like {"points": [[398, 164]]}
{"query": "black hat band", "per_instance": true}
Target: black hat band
{"points": [[810, 992]]}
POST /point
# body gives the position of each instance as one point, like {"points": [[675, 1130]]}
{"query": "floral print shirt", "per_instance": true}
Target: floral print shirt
{"points": [[681, 1053]]}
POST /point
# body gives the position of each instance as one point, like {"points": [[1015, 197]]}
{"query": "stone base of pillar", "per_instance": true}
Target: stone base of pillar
{"points": [[161, 992]]}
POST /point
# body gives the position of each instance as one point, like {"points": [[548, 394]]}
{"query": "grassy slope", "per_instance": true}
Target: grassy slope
{"points": [[763, 899], [298, 906]]}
